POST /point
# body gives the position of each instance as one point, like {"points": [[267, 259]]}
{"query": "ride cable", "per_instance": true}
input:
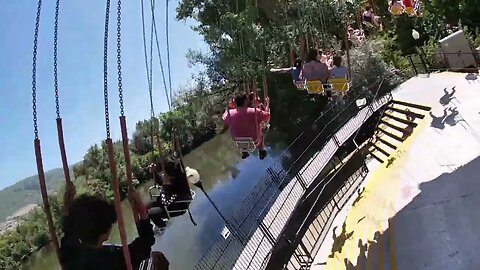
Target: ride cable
{"points": [[148, 60], [37, 144], [169, 101], [167, 35], [149, 71], [108, 141]]}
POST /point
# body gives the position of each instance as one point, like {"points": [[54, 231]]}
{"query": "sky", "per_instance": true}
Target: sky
{"points": [[80, 71]]}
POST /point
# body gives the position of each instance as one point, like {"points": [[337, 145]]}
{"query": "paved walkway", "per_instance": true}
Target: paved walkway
{"points": [[420, 212]]}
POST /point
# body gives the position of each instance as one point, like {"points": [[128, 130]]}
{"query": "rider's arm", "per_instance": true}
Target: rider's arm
{"points": [[141, 247]]}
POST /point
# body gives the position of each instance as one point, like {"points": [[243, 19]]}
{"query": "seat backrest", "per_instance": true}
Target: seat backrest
{"points": [[410, 10], [300, 85], [339, 84], [315, 87], [245, 144], [396, 9]]}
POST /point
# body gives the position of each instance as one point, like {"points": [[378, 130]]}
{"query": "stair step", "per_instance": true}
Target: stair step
{"points": [[379, 149], [398, 138], [397, 128], [389, 144], [407, 113], [413, 105], [376, 157], [403, 121]]}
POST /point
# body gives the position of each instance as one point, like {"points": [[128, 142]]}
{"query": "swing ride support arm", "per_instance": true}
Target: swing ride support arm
{"points": [[117, 201], [43, 190], [128, 164]]}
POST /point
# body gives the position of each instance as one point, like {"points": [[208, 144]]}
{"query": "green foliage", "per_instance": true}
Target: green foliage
{"points": [[17, 244], [26, 192], [432, 25]]}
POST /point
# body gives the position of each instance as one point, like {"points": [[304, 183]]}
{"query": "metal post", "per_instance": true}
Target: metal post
{"points": [[302, 246], [413, 65], [336, 140], [266, 232], [301, 181], [335, 203]]}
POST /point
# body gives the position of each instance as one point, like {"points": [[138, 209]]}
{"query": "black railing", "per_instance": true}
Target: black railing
{"points": [[425, 63], [276, 215], [308, 245], [260, 218]]}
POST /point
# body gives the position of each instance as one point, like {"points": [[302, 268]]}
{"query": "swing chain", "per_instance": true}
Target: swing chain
{"points": [[55, 70], [167, 35], [119, 56], [34, 70], [160, 56], [149, 61], [105, 69], [152, 110]]}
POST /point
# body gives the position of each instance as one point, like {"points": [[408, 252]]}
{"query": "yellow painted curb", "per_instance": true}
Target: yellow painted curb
{"points": [[370, 216]]}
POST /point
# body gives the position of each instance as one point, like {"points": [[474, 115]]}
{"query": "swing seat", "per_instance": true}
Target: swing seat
{"points": [[154, 191], [315, 87], [245, 144], [368, 25], [265, 126], [300, 85], [410, 10], [177, 207], [340, 85], [396, 9]]}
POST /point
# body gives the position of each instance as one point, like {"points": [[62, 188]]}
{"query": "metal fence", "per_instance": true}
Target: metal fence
{"points": [[425, 63], [257, 223], [309, 244]]}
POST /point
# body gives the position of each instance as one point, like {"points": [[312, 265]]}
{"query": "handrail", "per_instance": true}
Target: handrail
{"points": [[428, 62]]}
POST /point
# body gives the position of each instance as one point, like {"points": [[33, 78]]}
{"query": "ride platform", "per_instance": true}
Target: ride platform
{"points": [[418, 209]]}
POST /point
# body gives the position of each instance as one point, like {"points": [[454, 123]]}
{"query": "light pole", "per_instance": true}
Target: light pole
{"points": [[194, 178], [415, 34]]}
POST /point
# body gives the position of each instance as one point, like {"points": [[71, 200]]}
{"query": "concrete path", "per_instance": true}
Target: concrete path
{"points": [[420, 212]]}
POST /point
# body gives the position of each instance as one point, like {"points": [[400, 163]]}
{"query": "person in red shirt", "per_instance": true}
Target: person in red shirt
{"points": [[409, 8], [408, 3], [244, 121]]}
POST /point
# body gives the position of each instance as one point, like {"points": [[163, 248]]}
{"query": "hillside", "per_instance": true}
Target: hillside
{"points": [[26, 192]]}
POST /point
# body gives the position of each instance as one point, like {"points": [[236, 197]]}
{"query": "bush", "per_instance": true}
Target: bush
{"points": [[368, 66]]}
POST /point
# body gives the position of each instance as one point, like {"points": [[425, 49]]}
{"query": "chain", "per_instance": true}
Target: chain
{"points": [[34, 70], [55, 70], [105, 69], [168, 52], [160, 58], [147, 67], [119, 55], [152, 111]]}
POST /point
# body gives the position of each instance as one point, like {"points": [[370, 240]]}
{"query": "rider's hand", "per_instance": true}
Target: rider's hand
{"points": [[70, 192], [159, 261], [138, 204], [151, 168]]}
